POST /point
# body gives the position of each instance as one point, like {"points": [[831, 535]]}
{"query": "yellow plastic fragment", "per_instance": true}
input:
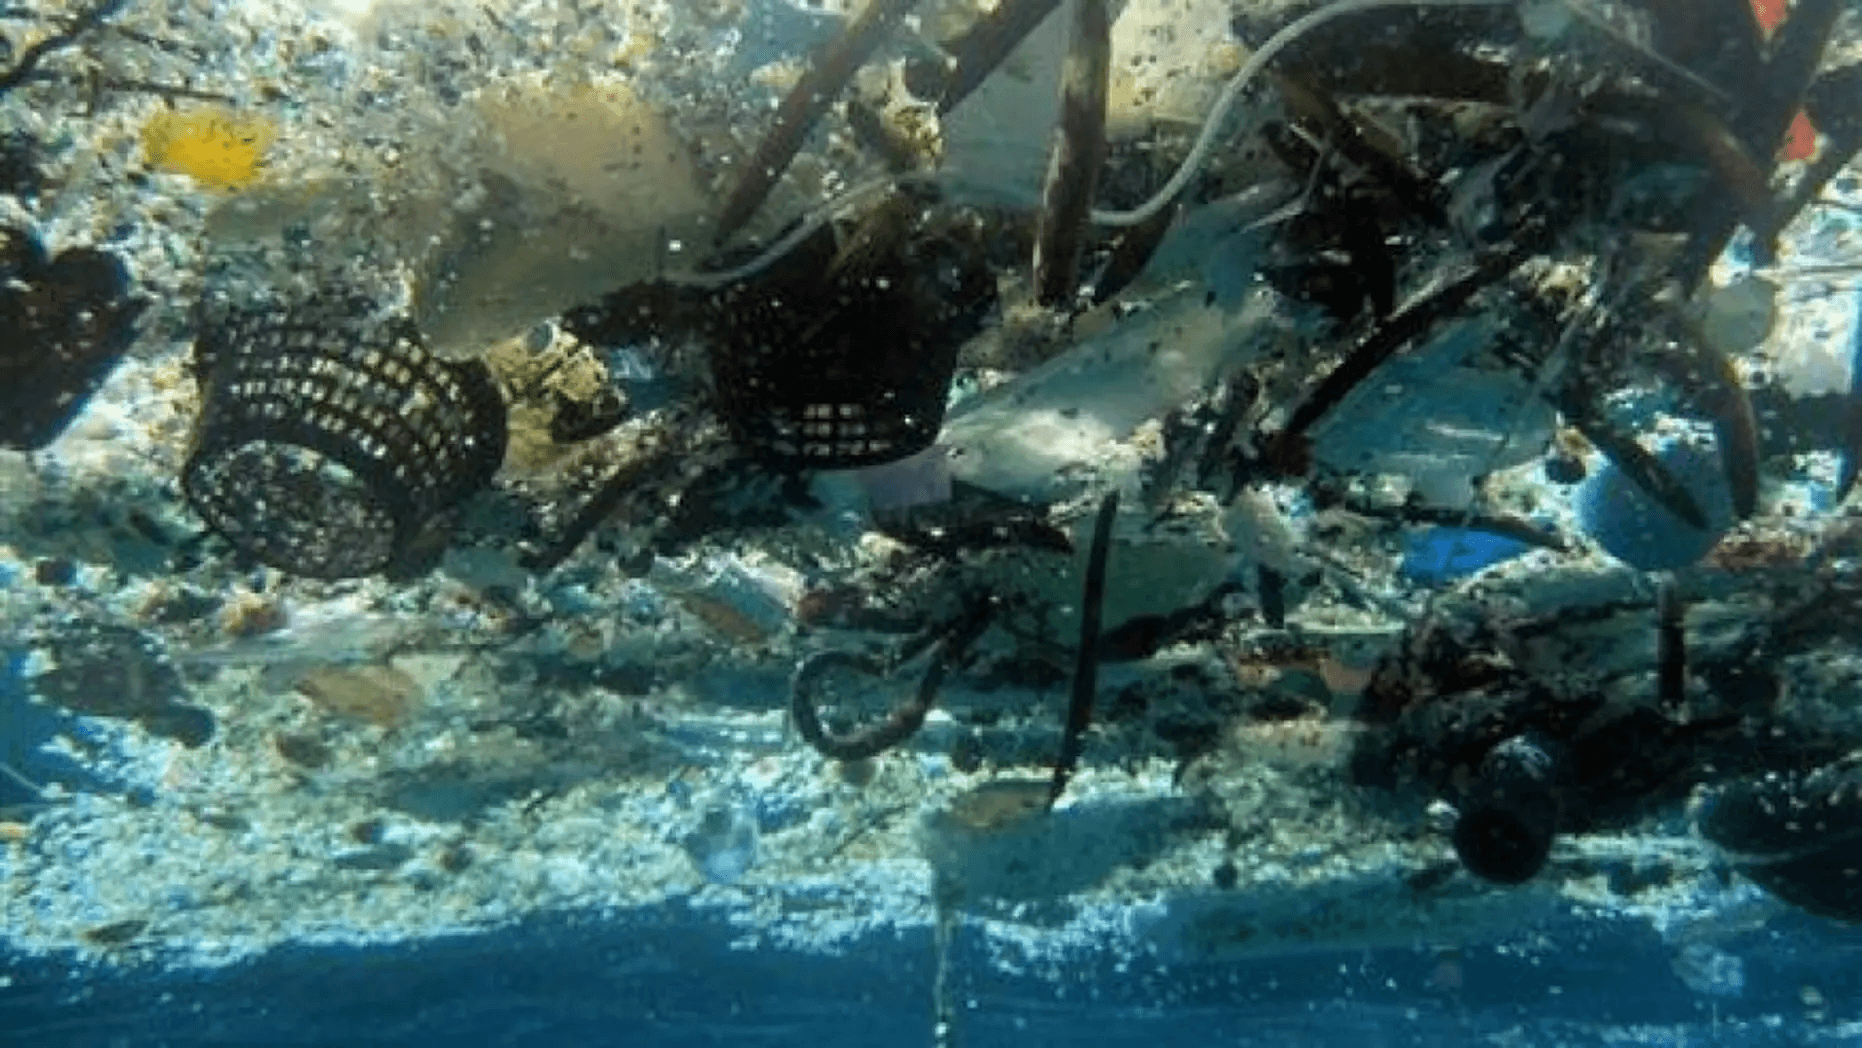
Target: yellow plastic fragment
{"points": [[218, 147]]}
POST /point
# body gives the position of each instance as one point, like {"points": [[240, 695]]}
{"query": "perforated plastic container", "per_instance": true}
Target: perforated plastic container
{"points": [[329, 440], [836, 364], [835, 396]]}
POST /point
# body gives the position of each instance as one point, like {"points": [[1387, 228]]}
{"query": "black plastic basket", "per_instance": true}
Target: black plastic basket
{"points": [[832, 364], [67, 322], [329, 440], [833, 407]]}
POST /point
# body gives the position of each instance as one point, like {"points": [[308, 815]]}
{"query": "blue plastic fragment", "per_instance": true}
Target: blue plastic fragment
{"points": [[1438, 555], [1641, 532]]}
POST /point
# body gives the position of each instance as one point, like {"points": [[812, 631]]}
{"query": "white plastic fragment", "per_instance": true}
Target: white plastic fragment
{"points": [[1438, 415], [754, 601], [1033, 437], [587, 186], [724, 844]]}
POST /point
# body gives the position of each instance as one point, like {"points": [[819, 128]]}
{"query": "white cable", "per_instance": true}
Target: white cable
{"points": [[811, 222], [1199, 153], [1205, 140], [8, 771]]}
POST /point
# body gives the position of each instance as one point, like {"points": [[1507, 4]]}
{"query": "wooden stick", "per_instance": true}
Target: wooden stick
{"points": [[1077, 155]]}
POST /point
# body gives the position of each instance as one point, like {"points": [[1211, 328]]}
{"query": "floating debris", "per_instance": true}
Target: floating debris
{"points": [[905, 718], [328, 443], [1380, 350], [842, 356], [1509, 816], [724, 845], [572, 191], [828, 72], [1638, 530], [1796, 834], [69, 319], [116, 933], [1086, 661], [1077, 154], [380, 695], [1001, 803], [220, 148]]}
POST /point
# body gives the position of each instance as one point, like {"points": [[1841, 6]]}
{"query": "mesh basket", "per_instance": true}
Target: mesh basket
{"points": [[833, 406], [328, 441], [831, 365]]}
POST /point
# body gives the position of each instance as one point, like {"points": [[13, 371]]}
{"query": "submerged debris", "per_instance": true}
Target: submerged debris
{"points": [[1325, 488], [218, 148], [380, 695], [69, 319]]}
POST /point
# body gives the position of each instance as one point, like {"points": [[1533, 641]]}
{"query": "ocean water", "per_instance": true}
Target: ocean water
{"points": [[676, 978]]}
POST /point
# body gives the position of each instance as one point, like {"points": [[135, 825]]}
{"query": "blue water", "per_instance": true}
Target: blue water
{"points": [[670, 978], [26, 729]]}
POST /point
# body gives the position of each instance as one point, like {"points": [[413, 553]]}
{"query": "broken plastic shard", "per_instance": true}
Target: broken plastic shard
{"points": [[750, 600], [562, 220], [724, 845], [1434, 556], [1042, 435], [1439, 417]]}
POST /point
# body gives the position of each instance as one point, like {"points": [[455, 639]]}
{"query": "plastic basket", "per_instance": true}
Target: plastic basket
{"points": [[328, 441]]}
